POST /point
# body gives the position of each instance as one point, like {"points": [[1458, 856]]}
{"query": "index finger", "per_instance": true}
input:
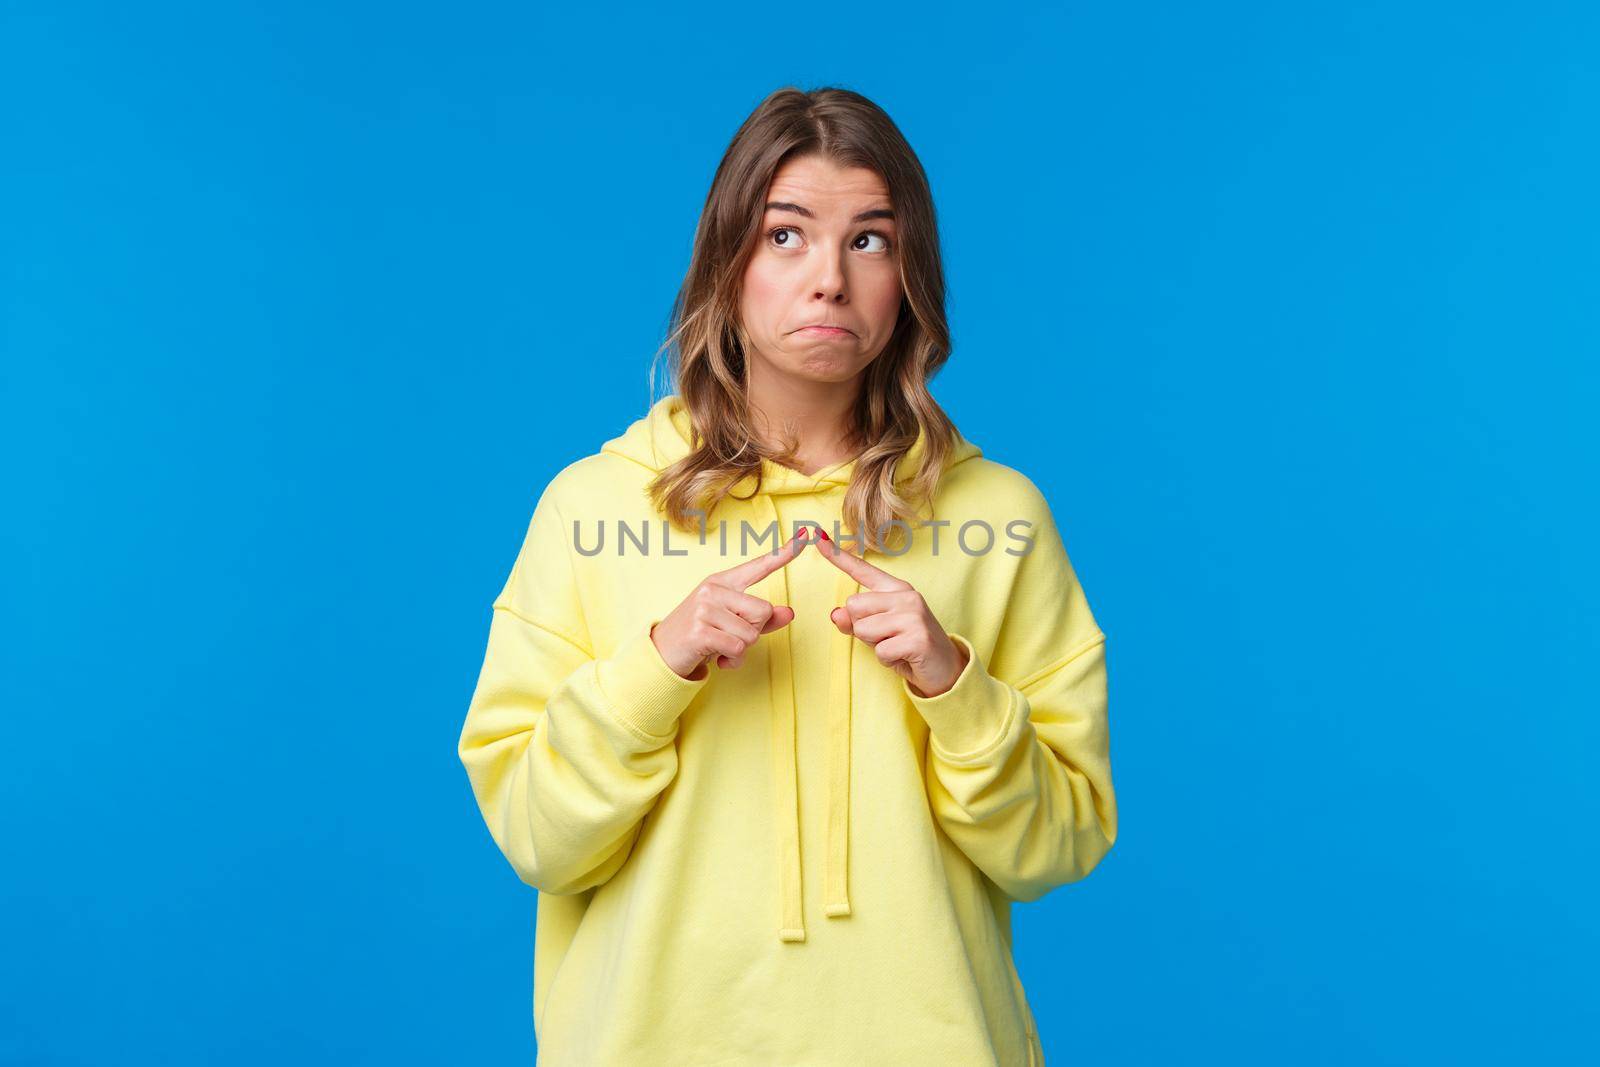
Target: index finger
{"points": [[752, 571], [870, 577]]}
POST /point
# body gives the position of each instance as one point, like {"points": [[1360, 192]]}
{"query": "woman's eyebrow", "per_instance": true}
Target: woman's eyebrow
{"points": [[784, 205]]}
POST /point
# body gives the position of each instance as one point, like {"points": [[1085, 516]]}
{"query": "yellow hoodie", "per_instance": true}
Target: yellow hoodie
{"points": [[798, 861]]}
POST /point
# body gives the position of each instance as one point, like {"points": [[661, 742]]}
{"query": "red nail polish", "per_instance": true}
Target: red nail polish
{"points": [[824, 534]]}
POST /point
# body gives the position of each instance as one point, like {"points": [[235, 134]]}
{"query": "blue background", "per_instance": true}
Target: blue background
{"points": [[1289, 310]]}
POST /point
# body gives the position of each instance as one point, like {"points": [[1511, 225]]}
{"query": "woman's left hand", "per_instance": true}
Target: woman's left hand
{"points": [[892, 617]]}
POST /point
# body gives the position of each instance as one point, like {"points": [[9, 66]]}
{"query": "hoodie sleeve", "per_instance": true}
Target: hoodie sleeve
{"points": [[1019, 754], [566, 752]]}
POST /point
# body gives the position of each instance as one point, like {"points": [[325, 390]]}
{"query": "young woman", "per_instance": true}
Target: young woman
{"points": [[790, 692]]}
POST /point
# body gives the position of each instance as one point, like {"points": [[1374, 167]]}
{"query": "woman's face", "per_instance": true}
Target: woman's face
{"points": [[826, 252]]}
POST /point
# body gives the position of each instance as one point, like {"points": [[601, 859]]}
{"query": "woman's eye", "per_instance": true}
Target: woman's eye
{"points": [[790, 241], [883, 246]]}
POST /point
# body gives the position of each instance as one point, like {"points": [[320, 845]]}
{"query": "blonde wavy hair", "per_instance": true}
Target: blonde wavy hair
{"points": [[706, 342]]}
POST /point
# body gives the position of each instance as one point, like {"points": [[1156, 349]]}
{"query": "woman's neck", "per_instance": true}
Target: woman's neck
{"points": [[817, 414]]}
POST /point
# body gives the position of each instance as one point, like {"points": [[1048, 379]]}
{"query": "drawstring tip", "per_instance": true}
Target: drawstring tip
{"points": [[787, 934], [837, 910]]}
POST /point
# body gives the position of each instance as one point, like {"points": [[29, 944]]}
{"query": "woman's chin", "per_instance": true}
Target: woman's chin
{"points": [[828, 370]]}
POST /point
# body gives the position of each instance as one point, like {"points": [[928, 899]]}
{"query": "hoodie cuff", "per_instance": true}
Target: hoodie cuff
{"points": [[644, 692], [970, 717]]}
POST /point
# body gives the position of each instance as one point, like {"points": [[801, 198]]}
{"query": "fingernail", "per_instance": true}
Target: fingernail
{"points": [[801, 535], [824, 534]]}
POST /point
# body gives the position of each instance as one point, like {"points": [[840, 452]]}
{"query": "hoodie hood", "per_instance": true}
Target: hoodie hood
{"points": [[659, 439], [662, 437]]}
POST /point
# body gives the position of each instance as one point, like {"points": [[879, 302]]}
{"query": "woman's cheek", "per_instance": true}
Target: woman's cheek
{"points": [[761, 297], [886, 298]]}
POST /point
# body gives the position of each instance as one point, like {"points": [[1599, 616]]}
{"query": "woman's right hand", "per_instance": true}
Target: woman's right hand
{"points": [[718, 618]]}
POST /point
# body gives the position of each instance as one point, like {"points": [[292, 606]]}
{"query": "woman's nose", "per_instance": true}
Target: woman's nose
{"points": [[830, 280]]}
